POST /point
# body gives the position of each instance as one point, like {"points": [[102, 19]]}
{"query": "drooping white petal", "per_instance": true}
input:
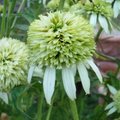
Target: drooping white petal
{"points": [[112, 89], [44, 2], [116, 8], [74, 69], [93, 19], [112, 110], [84, 77], [103, 22], [30, 73], [69, 83], [49, 83], [4, 97], [95, 69], [109, 106]]}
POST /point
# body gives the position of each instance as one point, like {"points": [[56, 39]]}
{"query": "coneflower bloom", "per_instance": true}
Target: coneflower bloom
{"points": [[62, 41], [114, 106], [99, 11], [13, 63]]}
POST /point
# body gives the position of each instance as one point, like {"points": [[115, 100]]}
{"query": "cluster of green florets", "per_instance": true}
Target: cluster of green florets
{"points": [[13, 63], [60, 40], [116, 99], [99, 7]]}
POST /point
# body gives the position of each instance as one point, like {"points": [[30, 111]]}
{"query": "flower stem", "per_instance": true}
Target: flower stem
{"points": [[74, 110], [19, 9], [3, 19], [40, 103], [98, 34], [10, 10], [49, 112]]}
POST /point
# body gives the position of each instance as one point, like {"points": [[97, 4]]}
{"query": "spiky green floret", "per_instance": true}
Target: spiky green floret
{"points": [[99, 7], [60, 40], [13, 63], [116, 99]]}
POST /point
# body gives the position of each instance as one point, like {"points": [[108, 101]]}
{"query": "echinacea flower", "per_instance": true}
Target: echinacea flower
{"points": [[115, 104], [99, 11], [62, 41], [13, 63]]}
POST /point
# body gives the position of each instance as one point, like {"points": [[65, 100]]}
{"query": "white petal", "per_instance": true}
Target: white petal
{"points": [[69, 83], [112, 89], [84, 77], [30, 73], [49, 83], [73, 68], [4, 97], [103, 22], [109, 106], [112, 110], [93, 19], [44, 2], [95, 69], [116, 8]]}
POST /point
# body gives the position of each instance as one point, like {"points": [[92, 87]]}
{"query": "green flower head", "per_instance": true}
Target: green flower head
{"points": [[62, 41], [99, 7], [13, 63], [99, 11], [116, 99]]}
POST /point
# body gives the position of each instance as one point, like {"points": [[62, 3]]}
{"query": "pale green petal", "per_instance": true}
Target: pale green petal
{"points": [[112, 89], [49, 83], [44, 2], [74, 69], [84, 77], [4, 97], [69, 83], [116, 8], [112, 110], [103, 22], [30, 73], [109, 106], [93, 19], [95, 69]]}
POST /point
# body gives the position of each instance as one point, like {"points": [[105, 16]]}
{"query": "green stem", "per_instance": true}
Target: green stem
{"points": [[49, 112], [19, 9], [3, 19], [40, 104], [74, 110], [10, 11], [98, 34]]}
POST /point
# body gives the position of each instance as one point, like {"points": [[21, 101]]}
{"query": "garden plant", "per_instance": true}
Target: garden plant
{"points": [[53, 60]]}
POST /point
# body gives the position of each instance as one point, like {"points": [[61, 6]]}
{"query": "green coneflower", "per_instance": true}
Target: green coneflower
{"points": [[13, 63], [62, 41], [99, 11], [115, 104]]}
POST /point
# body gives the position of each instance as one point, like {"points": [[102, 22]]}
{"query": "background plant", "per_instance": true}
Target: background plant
{"points": [[26, 101]]}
